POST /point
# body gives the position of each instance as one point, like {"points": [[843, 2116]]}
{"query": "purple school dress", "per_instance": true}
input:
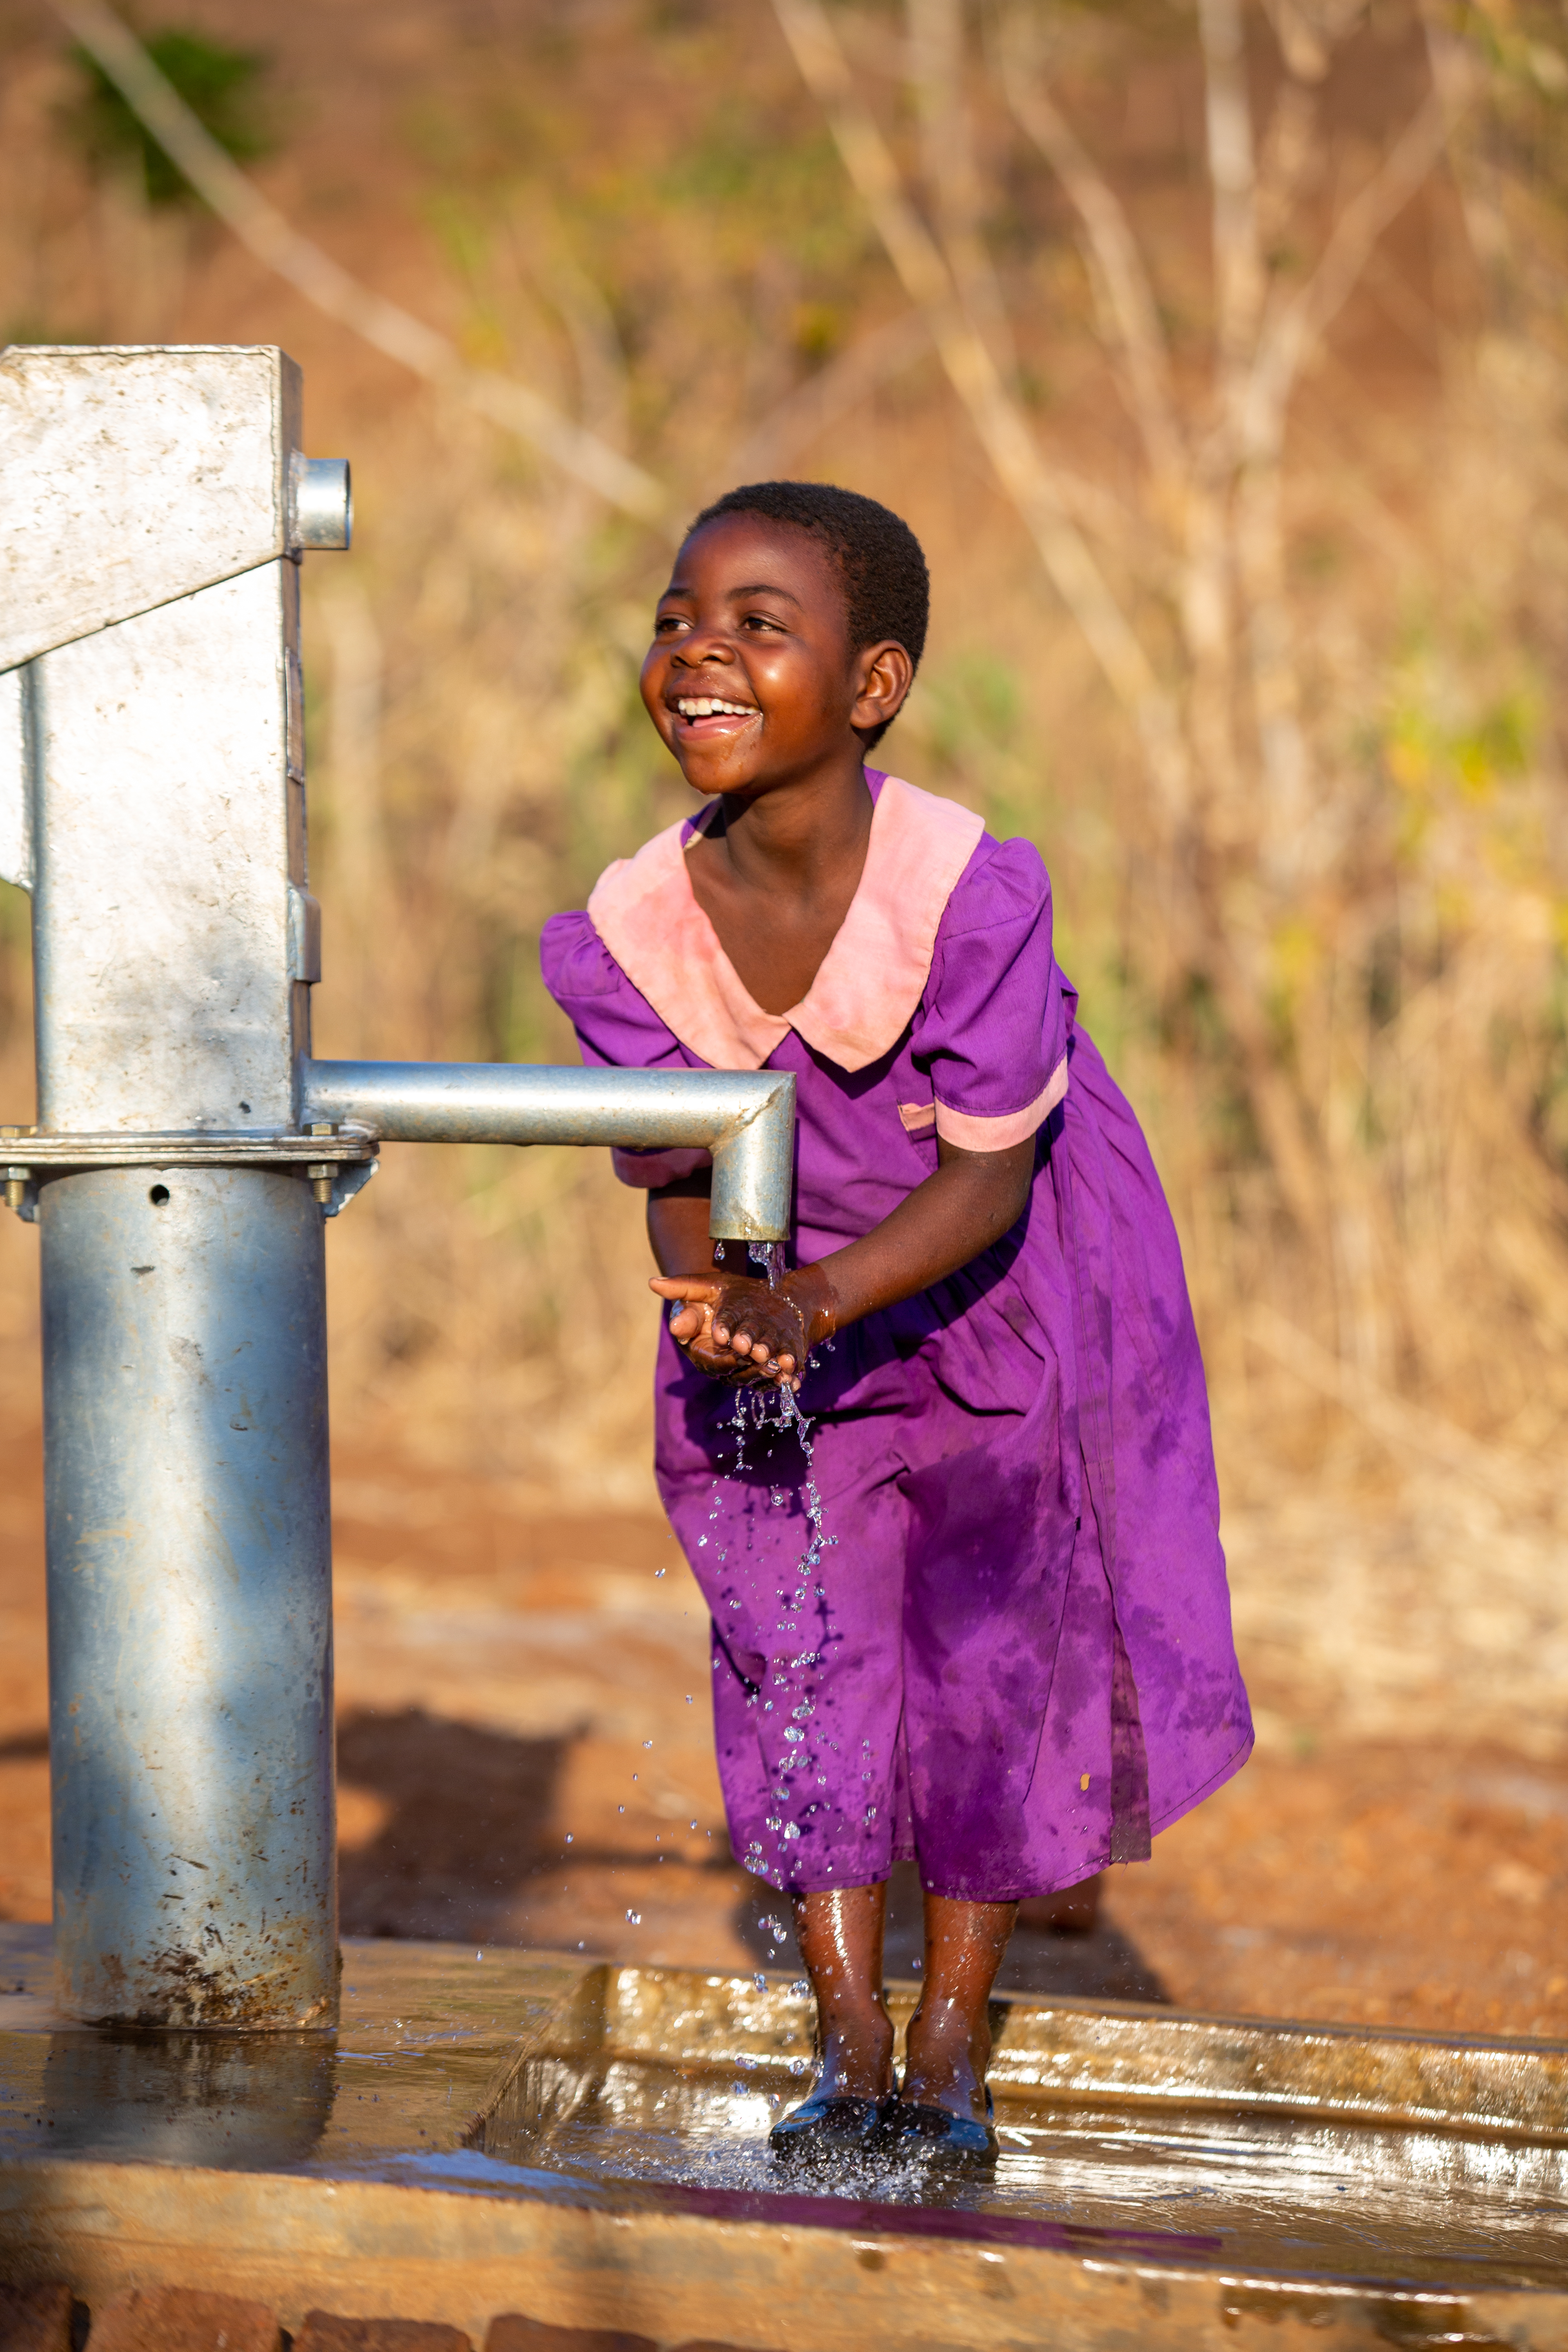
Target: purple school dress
{"points": [[1011, 1659]]}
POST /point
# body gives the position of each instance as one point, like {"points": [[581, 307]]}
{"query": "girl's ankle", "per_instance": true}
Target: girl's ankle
{"points": [[946, 2065], [849, 2078], [960, 2090], [856, 2056]]}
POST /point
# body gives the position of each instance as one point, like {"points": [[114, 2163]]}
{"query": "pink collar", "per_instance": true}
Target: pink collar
{"points": [[868, 984]]}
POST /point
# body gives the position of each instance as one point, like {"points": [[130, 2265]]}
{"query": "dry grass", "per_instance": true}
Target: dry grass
{"points": [[694, 281]]}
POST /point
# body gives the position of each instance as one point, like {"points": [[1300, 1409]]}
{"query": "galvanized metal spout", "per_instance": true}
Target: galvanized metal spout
{"points": [[745, 1117]]}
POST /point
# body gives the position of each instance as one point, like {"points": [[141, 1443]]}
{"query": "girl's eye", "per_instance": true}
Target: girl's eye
{"points": [[667, 623], [759, 621]]}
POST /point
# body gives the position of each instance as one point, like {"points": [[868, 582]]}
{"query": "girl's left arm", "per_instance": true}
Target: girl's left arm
{"points": [[733, 1326]]}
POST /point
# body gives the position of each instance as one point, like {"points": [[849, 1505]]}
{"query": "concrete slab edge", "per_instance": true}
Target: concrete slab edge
{"points": [[380, 2249]]}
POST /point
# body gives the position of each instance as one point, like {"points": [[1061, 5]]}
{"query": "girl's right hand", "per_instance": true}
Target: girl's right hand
{"points": [[735, 1327]]}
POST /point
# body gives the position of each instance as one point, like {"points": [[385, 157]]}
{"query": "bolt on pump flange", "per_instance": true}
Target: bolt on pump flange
{"points": [[19, 1174]]}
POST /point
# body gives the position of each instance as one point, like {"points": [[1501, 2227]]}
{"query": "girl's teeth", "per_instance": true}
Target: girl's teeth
{"points": [[709, 708]]}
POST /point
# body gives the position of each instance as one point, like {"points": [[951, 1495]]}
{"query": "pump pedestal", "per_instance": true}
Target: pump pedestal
{"points": [[189, 1596]]}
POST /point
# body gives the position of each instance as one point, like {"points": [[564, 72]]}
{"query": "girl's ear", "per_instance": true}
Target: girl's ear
{"points": [[885, 675]]}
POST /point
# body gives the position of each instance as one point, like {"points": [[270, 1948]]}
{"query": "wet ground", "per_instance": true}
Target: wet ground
{"points": [[650, 2093], [525, 1758]]}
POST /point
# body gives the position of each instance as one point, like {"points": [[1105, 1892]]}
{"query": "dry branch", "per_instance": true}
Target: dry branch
{"points": [[258, 224], [1294, 330], [807, 412], [1227, 113], [1035, 486], [1128, 297], [936, 56]]}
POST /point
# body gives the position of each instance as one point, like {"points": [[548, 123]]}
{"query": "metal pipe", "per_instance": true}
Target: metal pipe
{"points": [[189, 1596], [745, 1117]]}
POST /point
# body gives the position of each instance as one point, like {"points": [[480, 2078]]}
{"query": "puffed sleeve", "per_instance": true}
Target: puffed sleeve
{"points": [[617, 1029], [991, 1032]]}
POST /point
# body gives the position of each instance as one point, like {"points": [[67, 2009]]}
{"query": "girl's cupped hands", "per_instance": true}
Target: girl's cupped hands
{"points": [[734, 1327]]}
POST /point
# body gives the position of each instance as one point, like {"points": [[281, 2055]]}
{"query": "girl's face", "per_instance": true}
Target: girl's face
{"points": [[750, 679]]}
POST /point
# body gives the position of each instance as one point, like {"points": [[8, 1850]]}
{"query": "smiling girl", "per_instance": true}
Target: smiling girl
{"points": [[1012, 1661]]}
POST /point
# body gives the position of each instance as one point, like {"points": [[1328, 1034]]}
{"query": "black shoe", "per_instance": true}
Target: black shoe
{"points": [[942, 2141], [825, 2129]]}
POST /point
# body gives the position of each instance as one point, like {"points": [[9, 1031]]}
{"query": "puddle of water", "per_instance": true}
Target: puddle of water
{"points": [[1337, 2199]]}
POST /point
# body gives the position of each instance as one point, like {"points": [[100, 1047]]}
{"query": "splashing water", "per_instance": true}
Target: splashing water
{"points": [[770, 1256], [800, 1586], [755, 1410]]}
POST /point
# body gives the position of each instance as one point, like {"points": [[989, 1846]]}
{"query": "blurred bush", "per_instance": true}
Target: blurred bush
{"points": [[219, 84]]}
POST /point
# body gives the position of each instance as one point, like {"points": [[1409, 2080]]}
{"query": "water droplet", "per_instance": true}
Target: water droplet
{"points": [[636, 1918]]}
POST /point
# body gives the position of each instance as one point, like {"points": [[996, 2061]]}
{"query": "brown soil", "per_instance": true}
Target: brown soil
{"points": [[526, 1759]]}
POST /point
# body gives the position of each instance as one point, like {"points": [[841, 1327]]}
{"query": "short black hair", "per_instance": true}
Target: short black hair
{"points": [[887, 588]]}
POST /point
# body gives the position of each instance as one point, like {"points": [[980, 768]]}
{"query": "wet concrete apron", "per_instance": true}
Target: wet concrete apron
{"points": [[585, 2142]]}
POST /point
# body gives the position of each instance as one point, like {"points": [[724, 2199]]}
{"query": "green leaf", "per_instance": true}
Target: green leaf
{"points": [[219, 83]]}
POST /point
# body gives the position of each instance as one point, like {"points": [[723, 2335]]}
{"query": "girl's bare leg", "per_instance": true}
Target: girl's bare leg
{"points": [[948, 2046], [1071, 1911], [840, 1936]]}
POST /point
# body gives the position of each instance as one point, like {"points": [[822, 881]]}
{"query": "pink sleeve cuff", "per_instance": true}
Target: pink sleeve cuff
{"points": [[972, 1134]]}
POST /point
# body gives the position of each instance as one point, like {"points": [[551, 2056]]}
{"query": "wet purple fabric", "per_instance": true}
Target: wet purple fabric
{"points": [[1011, 1659]]}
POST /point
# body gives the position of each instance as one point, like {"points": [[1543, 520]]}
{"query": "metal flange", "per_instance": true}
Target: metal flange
{"points": [[338, 1159]]}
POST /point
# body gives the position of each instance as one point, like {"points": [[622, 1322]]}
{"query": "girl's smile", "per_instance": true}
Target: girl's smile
{"points": [[706, 719]]}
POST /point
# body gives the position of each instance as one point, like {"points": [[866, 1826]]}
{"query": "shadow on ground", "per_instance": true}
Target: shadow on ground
{"points": [[467, 1814], [453, 1830], [466, 1842]]}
